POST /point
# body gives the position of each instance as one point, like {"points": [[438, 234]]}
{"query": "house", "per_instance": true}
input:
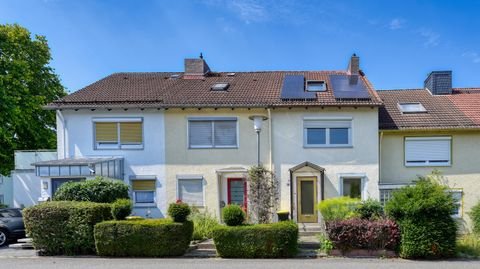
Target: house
{"points": [[434, 127], [189, 136]]}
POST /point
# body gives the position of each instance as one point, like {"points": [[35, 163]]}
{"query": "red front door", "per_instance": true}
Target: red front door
{"points": [[237, 192]]}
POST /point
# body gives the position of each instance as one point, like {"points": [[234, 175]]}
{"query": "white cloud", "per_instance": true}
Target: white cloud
{"points": [[249, 10], [396, 24], [474, 56], [432, 38]]}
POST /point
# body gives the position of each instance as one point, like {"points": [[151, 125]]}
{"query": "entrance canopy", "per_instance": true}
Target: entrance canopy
{"points": [[111, 167]]}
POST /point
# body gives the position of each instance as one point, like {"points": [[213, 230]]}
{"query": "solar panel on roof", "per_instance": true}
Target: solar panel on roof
{"points": [[348, 87], [294, 89]]}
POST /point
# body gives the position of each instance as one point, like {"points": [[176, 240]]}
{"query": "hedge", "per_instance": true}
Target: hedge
{"points": [[277, 240], [121, 209], [364, 234], [233, 215], [143, 238], [99, 190], [179, 211], [64, 227]]}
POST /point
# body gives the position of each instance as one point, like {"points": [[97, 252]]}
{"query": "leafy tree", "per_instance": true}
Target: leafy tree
{"points": [[27, 83], [262, 193]]}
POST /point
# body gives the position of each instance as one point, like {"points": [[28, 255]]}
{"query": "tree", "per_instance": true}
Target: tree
{"points": [[27, 83], [262, 193]]}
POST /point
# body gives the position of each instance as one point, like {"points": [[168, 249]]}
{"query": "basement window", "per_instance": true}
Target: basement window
{"points": [[223, 86], [409, 108], [316, 86]]}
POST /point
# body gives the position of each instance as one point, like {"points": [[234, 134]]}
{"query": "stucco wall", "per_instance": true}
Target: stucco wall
{"points": [[205, 162], [26, 188], [361, 158], [75, 139], [464, 173]]}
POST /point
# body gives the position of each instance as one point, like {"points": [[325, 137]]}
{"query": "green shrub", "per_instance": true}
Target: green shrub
{"points": [[423, 212], [179, 211], [338, 208], [203, 224], [370, 209], [3, 206], [468, 246], [277, 240], [134, 218], [233, 215], [99, 190], [326, 244], [475, 216], [121, 209], [143, 238], [64, 227]]}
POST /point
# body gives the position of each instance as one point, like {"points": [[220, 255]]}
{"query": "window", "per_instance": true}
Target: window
{"points": [[118, 133], [144, 191], [407, 108], [316, 86], [212, 133], [428, 151], [352, 187], [385, 196], [457, 196], [327, 133], [190, 191], [223, 86]]}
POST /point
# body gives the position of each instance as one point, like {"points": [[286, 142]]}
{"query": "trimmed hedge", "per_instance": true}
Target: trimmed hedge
{"points": [[277, 240], [179, 211], [233, 215], [64, 227], [364, 234], [99, 190], [122, 208], [143, 238]]}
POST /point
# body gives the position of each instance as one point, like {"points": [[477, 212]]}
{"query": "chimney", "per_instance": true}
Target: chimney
{"points": [[439, 82], [196, 68], [354, 65]]}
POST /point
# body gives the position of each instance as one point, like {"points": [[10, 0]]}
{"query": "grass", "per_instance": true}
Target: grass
{"points": [[468, 246], [203, 224]]}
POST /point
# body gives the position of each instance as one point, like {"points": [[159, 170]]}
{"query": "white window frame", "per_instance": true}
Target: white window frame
{"points": [[420, 110], [327, 124], [153, 178], [460, 202], [117, 145], [313, 82], [191, 177], [212, 120], [363, 183], [426, 163]]}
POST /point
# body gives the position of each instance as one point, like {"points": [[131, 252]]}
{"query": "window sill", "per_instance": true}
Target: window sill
{"points": [[327, 146], [137, 205], [195, 148], [428, 165], [123, 147]]}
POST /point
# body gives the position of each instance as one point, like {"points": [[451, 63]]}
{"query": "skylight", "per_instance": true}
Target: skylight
{"points": [[222, 86], [316, 86], [411, 108]]}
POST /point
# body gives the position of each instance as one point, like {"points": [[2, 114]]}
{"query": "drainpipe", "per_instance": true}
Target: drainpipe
{"points": [[270, 133], [380, 158], [64, 123]]}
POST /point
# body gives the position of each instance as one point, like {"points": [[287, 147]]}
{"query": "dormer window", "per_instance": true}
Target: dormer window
{"points": [[316, 86], [409, 108], [222, 86]]}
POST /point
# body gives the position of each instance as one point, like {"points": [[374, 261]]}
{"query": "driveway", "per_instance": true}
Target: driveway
{"points": [[337, 263]]}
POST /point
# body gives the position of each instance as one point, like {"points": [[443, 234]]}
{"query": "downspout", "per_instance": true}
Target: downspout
{"points": [[380, 158], [291, 195], [64, 129], [270, 133]]}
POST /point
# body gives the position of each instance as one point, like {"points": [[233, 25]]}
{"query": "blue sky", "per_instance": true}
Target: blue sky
{"points": [[398, 42]]}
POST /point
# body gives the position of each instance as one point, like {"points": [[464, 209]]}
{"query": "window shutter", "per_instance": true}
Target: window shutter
{"points": [[427, 151], [225, 133], [327, 124], [143, 185], [106, 132], [131, 132], [190, 191], [200, 133]]}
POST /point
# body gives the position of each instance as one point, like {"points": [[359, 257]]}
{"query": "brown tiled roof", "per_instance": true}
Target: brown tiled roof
{"points": [[247, 89], [459, 110]]}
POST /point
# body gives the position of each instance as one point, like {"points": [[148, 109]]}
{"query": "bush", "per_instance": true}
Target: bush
{"points": [[338, 208], [423, 213], [277, 240], [98, 190], [364, 234], [468, 246], [66, 227], [370, 209], [475, 216], [179, 211], [203, 224], [143, 238], [121, 209], [233, 215]]}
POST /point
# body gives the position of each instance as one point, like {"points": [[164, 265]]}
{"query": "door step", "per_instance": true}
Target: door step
{"points": [[205, 249]]}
